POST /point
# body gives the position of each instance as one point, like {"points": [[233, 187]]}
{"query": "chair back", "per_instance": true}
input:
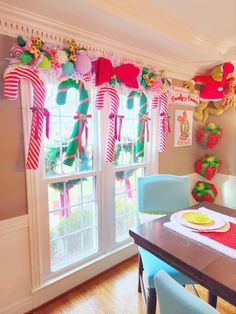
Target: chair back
{"points": [[162, 193], [173, 298]]}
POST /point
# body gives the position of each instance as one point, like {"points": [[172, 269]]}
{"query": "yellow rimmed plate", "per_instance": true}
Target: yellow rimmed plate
{"points": [[198, 218], [215, 220]]}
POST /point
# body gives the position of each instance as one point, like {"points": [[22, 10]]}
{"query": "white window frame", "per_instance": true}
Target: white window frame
{"points": [[38, 213]]}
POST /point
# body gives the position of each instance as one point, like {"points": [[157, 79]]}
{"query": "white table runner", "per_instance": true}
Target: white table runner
{"points": [[202, 239]]}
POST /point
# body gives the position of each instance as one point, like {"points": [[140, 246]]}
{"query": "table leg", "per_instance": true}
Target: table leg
{"points": [[212, 299]]}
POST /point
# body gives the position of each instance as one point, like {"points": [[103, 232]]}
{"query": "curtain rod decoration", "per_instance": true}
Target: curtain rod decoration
{"points": [[104, 71], [78, 59]]}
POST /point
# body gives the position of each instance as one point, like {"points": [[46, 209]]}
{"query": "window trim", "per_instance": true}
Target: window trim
{"points": [[39, 244]]}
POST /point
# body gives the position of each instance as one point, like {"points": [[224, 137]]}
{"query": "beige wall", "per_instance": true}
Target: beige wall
{"points": [[13, 201], [180, 160]]}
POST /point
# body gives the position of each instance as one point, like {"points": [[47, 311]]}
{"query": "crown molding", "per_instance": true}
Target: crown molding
{"points": [[15, 21]]}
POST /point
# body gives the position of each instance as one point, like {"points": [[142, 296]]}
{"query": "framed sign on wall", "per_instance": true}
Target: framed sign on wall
{"points": [[181, 96], [183, 127]]}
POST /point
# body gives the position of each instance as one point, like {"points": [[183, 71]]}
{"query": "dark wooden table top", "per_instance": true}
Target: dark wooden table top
{"points": [[208, 267]]}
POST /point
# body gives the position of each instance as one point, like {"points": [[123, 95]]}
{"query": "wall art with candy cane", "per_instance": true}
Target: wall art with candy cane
{"points": [[183, 128]]}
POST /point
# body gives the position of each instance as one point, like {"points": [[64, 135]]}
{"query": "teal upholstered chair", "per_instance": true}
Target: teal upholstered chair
{"points": [[164, 194], [173, 298]]}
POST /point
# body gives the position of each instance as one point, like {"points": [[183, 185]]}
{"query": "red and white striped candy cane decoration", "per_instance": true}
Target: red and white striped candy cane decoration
{"points": [[99, 103], [162, 122], [155, 101], [11, 81]]}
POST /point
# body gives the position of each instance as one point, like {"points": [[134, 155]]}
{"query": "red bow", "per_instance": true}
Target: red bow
{"points": [[126, 73]]}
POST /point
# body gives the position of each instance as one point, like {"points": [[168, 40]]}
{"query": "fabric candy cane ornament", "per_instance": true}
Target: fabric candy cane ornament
{"points": [[81, 117], [113, 117], [155, 101], [163, 120], [11, 81], [143, 120]]}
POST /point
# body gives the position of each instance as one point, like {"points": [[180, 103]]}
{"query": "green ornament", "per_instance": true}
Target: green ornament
{"points": [[66, 51], [20, 41], [45, 64], [26, 57], [68, 68]]}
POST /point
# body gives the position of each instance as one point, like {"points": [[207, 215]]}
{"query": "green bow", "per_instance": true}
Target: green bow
{"points": [[215, 130], [145, 77], [202, 188], [210, 160]]}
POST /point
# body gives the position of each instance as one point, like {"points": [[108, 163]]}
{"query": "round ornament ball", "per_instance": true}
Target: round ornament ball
{"points": [[45, 64], [68, 68], [83, 64], [61, 57]]}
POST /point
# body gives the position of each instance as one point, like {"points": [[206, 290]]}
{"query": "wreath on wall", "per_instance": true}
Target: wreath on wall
{"points": [[128, 148], [51, 161], [53, 157]]}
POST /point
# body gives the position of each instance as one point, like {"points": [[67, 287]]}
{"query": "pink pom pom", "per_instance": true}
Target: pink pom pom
{"points": [[84, 64]]}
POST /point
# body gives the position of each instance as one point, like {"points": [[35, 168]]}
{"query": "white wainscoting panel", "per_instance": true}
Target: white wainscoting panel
{"points": [[15, 271]]}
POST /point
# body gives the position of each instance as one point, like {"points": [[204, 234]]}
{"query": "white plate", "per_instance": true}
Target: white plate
{"points": [[218, 221]]}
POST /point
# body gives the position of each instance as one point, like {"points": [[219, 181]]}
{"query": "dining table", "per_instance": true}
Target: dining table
{"points": [[208, 267]]}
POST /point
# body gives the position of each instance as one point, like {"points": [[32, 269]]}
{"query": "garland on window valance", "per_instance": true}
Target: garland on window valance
{"points": [[33, 59]]}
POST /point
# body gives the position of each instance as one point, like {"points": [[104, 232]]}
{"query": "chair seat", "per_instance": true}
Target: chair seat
{"points": [[153, 265]]}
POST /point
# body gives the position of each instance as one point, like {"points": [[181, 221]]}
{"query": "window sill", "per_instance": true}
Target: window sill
{"points": [[56, 286]]}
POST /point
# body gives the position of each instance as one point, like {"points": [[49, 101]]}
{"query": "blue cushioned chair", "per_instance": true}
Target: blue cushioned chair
{"points": [[173, 298], [164, 194]]}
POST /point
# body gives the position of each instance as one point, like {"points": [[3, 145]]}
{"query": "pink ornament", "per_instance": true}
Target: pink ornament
{"points": [[84, 64]]}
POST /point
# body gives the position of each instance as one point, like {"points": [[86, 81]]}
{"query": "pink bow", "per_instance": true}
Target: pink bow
{"points": [[165, 119], [126, 73], [83, 118], [46, 113], [144, 118]]}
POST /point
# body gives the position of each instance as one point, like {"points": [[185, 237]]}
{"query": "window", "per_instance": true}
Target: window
{"points": [[85, 209]]}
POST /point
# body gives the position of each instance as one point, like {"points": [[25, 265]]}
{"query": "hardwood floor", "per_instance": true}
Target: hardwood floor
{"points": [[113, 292]]}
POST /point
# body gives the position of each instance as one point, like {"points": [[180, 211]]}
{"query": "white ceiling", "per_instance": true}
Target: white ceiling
{"points": [[198, 33]]}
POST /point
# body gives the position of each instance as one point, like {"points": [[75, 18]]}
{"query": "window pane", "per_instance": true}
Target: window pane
{"points": [[126, 151], [57, 251], [73, 220], [62, 154], [57, 225], [126, 208], [73, 245], [89, 240], [88, 214]]}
